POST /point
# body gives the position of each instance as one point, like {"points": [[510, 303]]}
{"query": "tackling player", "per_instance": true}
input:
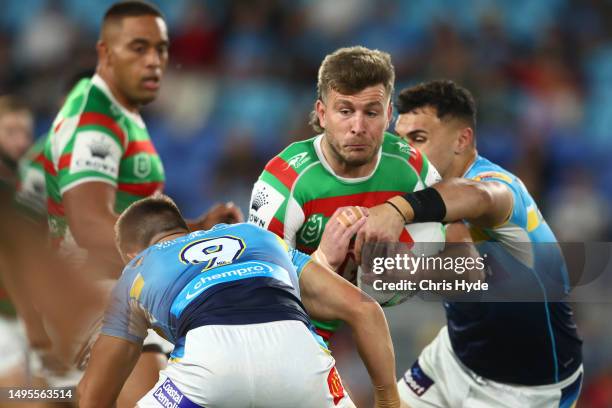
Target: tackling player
{"points": [[234, 301], [489, 354]]}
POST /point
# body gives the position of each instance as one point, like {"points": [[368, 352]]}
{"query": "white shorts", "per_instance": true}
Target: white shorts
{"points": [[272, 365], [439, 379], [13, 345]]}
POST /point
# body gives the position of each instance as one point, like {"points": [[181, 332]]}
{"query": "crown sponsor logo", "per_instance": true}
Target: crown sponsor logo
{"points": [[99, 149], [260, 199]]}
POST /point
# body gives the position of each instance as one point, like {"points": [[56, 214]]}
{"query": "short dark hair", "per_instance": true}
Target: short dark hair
{"points": [[131, 8], [446, 96], [349, 71], [144, 219]]}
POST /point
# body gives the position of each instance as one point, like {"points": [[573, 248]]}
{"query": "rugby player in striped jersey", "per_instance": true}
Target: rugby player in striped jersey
{"points": [[99, 157]]}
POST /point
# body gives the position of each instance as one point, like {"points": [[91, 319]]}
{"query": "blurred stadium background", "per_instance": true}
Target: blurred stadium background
{"points": [[241, 82]]}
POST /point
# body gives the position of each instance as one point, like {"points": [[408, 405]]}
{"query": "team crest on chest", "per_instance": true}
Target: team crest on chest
{"points": [[142, 165], [311, 230]]}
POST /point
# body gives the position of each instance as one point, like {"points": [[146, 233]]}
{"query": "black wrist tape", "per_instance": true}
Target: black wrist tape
{"points": [[427, 205]]}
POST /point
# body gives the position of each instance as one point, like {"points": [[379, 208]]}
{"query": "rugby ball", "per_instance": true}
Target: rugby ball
{"points": [[428, 239]]}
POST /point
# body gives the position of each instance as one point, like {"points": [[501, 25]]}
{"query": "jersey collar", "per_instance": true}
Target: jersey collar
{"points": [[327, 166], [476, 159], [103, 86]]}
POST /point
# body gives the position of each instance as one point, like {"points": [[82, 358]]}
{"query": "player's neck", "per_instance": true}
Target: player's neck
{"points": [[466, 160], [117, 94]]}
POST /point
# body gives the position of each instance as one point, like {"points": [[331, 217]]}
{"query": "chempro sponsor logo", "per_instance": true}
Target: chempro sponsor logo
{"points": [[247, 270]]}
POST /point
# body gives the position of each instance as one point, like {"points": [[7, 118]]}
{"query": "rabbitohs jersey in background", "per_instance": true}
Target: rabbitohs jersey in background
{"points": [[298, 192], [31, 190], [95, 139]]}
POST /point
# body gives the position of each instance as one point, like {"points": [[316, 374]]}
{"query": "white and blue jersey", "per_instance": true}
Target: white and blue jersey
{"points": [[521, 342], [230, 275]]}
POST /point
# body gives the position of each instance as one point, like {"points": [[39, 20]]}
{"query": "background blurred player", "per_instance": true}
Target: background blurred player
{"points": [[351, 162], [99, 157], [490, 354], [16, 125], [16, 135], [229, 299]]}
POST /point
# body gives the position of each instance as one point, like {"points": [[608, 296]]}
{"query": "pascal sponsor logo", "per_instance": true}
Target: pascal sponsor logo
{"points": [[168, 395], [311, 230]]}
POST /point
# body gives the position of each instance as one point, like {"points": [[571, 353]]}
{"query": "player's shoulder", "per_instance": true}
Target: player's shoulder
{"points": [[77, 98], [485, 170], [296, 157], [99, 102], [397, 149], [395, 145]]}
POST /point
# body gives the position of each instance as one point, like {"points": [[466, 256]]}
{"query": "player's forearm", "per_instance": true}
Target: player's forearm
{"points": [[91, 217], [112, 360], [95, 232], [465, 199], [87, 400], [373, 340]]}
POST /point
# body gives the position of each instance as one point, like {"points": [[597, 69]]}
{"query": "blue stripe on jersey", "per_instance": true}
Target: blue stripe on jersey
{"points": [[569, 394], [549, 324]]}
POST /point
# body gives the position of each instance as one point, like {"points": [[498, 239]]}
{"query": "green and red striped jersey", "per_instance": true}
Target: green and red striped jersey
{"points": [[95, 139], [298, 192], [31, 190]]}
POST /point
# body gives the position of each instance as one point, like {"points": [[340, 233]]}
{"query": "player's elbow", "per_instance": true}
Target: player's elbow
{"points": [[87, 398], [83, 239], [364, 312], [485, 198]]}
